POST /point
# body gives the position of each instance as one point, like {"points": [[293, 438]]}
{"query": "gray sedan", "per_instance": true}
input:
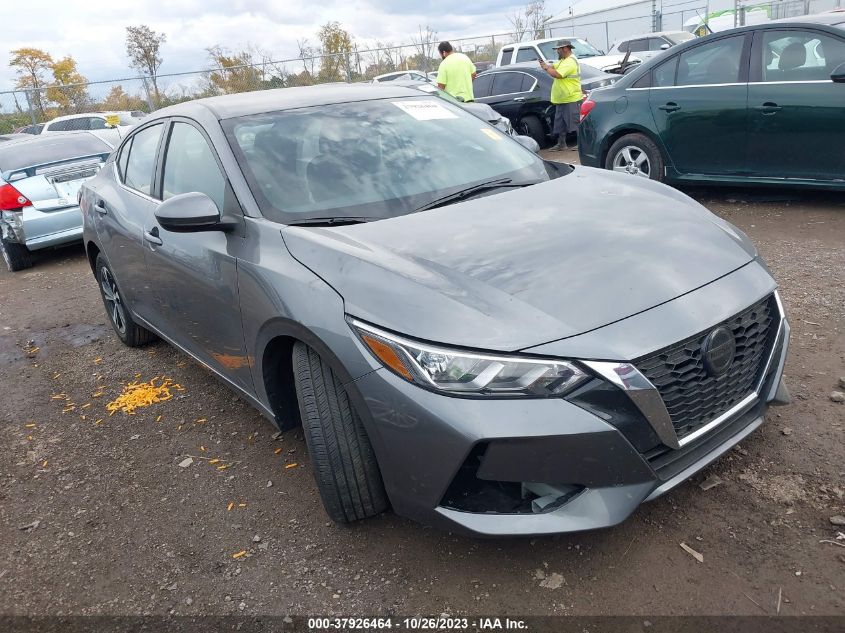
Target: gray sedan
{"points": [[496, 345], [40, 178]]}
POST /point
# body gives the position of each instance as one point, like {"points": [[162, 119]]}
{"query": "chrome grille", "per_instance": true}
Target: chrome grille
{"points": [[692, 396]]}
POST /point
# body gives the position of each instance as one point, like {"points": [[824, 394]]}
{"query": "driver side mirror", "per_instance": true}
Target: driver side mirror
{"points": [[664, 47], [838, 74], [190, 212]]}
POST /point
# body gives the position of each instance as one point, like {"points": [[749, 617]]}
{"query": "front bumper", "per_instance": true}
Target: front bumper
{"points": [[536, 466]]}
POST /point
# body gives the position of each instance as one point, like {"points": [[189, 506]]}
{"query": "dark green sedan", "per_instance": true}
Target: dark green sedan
{"points": [[758, 104]]}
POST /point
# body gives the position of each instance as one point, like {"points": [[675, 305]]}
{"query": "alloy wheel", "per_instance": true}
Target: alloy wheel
{"points": [[632, 160], [114, 304]]}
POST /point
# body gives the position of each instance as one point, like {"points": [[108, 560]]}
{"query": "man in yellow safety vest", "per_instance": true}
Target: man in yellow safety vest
{"points": [[566, 94]]}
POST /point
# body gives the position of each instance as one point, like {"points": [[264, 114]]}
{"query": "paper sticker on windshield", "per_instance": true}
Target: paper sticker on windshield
{"points": [[112, 119], [424, 110], [491, 133]]}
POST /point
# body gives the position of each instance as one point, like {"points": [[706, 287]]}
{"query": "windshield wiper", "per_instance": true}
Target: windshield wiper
{"points": [[470, 191], [329, 221]]}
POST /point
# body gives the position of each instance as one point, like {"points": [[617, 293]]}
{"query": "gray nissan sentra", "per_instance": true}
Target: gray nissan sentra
{"points": [[468, 334]]}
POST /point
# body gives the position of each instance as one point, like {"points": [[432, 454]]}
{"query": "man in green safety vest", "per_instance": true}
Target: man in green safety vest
{"points": [[566, 95]]}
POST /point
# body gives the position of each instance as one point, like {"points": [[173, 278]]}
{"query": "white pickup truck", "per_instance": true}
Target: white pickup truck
{"points": [[544, 49]]}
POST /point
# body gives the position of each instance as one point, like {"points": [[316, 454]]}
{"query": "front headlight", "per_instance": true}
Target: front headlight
{"points": [[468, 373]]}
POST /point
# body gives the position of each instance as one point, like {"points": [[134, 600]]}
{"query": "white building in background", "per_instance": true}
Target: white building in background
{"points": [[603, 22]]}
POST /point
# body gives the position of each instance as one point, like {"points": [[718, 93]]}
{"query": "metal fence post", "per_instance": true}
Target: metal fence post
{"points": [[147, 92], [29, 106]]}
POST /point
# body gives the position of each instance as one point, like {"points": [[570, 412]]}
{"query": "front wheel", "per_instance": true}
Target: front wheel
{"points": [[636, 155], [121, 321], [530, 125], [16, 256], [343, 460]]}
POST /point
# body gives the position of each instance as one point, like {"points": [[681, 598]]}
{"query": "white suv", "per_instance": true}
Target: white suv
{"points": [[544, 49], [650, 45]]}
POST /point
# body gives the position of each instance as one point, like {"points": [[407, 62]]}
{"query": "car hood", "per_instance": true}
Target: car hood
{"points": [[604, 62], [512, 270]]}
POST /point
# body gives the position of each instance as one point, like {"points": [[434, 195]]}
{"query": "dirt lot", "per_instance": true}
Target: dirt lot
{"points": [[123, 529]]}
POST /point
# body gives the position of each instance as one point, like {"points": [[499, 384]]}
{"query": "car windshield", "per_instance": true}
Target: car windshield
{"points": [[581, 48], [371, 159], [677, 38]]}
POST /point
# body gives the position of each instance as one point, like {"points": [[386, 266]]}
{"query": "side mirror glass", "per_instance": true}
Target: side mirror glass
{"points": [[528, 143], [189, 212], [838, 74]]}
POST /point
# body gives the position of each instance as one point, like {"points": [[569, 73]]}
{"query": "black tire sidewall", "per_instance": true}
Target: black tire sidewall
{"points": [[531, 125]]}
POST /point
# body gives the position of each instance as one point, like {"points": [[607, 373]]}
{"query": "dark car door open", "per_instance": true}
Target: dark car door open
{"points": [[796, 124], [195, 273], [699, 102]]}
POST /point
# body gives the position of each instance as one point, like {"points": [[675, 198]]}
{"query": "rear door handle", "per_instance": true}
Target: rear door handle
{"points": [[768, 108], [670, 107], [152, 236], [100, 207]]}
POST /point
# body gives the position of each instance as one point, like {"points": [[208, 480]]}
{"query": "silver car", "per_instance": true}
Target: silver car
{"points": [[39, 181]]}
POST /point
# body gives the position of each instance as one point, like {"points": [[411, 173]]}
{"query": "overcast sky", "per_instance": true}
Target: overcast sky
{"points": [[93, 31]]}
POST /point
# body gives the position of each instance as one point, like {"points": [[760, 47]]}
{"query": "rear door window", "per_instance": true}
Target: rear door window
{"points": [[482, 85], [664, 75], [141, 161], [507, 53]]}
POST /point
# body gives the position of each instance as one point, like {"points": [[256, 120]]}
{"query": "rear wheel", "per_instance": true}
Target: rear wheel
{"points": [[16, 256], [636, 155], [343, 461], [121, 321], [530, 125]]}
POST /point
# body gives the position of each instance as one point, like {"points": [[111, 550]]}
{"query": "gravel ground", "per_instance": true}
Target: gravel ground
{"points": [[100, 515]]}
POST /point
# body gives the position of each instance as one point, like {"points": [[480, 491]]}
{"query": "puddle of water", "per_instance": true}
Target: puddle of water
{"points": [[81, 334], [9, 350]]}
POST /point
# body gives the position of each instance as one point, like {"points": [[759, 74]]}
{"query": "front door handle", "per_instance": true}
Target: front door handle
{"points": [[670, 107], [519, 98], [152, 236], [768, 108], [100, 207]]}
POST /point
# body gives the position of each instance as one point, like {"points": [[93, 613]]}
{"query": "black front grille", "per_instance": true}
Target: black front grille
{"points": [[693, 397]]}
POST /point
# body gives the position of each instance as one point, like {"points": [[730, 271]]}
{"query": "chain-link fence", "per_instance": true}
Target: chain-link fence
{"points": [[242, 72]]}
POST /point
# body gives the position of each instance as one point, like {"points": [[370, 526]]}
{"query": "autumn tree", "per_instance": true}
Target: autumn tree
{"points": [[119, 100], [233, 72], [143, 47], [31, 64], [68, 90], [336, 43], [425, 44]]}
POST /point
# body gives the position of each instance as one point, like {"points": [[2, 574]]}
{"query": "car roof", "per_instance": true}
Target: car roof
{"points": [[655, 34], [832, 18], [261, 101], [543, 40]]}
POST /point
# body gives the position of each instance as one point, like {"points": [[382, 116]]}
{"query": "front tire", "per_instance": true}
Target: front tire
{"points": [[637, 155], [16, 256], [344, 463], [530, 125], [132, 334]]}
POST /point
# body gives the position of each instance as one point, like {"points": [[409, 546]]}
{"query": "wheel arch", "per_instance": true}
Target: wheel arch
{"points": [[92, 251], [618, 133], [274, 371]]}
